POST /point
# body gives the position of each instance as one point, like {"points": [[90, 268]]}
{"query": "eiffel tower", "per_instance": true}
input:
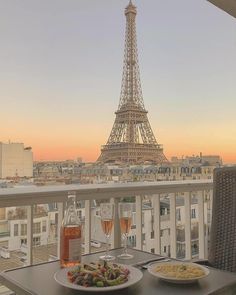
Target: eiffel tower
{"points": [[131, 139]]}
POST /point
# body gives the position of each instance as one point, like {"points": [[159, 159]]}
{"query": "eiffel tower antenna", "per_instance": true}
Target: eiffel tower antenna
{"points": [[131, 139]]}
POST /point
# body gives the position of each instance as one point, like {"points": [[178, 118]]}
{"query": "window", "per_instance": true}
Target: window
{"points": [[162, 232], [178, 214], [23, 241], [36, 241], [44, 226], [36, 228], [193, 213], [79, 212], [164, 249], [143, 237], [152, 250], [23, 229], [16, 230], [142, 219], [194, 249], [131, 241], [152, 234]]}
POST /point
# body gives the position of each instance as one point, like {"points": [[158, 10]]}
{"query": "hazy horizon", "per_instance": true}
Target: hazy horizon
{"points": [[61, 69]]}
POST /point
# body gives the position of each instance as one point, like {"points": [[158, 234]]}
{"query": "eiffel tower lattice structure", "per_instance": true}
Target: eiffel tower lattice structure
{"points": [[131, 139]]}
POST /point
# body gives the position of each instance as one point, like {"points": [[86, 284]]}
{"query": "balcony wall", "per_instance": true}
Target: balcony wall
{"points": [[162, 199]]}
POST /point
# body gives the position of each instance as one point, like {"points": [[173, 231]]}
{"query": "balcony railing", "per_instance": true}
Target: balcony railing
{"points": [[200, 190]]}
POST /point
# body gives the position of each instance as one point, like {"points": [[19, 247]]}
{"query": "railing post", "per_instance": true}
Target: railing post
{"points": [[201, 234], [173, 225], [59, 222], [30, 221], [187, 205], [116, 234], [87, 227], [139, 223], [157, 223]]}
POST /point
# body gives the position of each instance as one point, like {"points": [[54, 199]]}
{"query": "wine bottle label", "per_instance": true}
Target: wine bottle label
{"points": [[75, 249]]}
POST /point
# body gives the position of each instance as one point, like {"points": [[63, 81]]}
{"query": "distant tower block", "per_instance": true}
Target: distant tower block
{"points": [[131, 140]]}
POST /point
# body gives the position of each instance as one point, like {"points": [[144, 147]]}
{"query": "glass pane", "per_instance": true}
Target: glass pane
{"points": [[45, 236], [12, 254]]}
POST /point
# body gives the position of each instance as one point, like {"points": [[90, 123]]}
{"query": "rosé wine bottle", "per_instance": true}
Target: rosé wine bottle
{"points": [[70, 236]]}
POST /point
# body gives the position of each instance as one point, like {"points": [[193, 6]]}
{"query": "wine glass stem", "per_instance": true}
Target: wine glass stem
{"points": [[107, 245], [125, 243]]}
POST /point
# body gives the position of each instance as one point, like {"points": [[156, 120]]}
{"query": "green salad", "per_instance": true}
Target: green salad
{"points": [[98, 275]]}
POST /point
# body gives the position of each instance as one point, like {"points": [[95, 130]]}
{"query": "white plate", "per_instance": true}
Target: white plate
{"points": [[135, 275], [152, 271]]}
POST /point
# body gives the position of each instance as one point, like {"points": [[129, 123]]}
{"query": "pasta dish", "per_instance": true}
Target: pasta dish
{"points": [[180, 271]]}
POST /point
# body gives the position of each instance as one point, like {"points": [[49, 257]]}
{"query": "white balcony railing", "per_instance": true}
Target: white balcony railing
{"points": [[30, 196]]}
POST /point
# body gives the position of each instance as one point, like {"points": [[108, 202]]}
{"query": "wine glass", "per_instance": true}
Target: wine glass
{"points": [[107, 220], [125, 215]]}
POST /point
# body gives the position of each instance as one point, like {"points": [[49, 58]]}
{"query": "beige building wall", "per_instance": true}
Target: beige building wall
{"points": [[2, 213], [28, 163], [15, 160]]}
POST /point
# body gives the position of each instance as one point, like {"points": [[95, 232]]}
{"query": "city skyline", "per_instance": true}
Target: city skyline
{"points": [[62, 64]]}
